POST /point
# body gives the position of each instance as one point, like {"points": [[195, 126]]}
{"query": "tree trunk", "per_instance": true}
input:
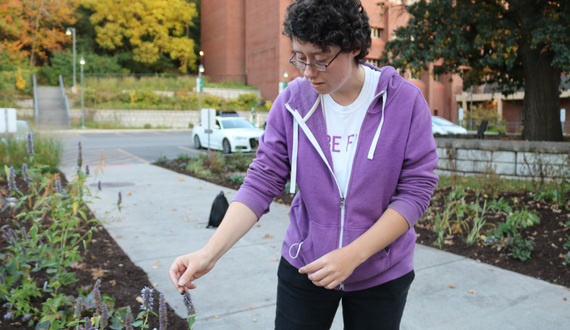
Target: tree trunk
{"points": [[541, 105], [36, 33]]}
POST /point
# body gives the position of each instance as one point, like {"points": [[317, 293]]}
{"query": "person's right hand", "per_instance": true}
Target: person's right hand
{"points": [[185, 269]]}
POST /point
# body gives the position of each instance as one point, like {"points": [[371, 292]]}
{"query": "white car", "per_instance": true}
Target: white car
{"points": [[22, 130], [229, 134], [444, 127]]}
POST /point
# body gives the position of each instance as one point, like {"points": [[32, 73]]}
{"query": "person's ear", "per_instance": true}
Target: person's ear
{"points": [[355, 53]]}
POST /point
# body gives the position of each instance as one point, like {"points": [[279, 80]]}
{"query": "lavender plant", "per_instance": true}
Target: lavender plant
{"points": [[162, 315], [30, 144], [50, 246], [129, 319], [191, 311], [147, 304], [12, 180]]}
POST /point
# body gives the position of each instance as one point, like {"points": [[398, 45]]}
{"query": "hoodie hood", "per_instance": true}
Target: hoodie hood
{"points": [[306, 97]]}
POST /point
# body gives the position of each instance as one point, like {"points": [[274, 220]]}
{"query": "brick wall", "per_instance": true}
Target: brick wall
{"points": [[223, 44]]}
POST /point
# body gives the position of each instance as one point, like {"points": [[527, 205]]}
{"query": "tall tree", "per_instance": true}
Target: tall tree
{"points": [[148, 28], [514, 43], [35, 28]]}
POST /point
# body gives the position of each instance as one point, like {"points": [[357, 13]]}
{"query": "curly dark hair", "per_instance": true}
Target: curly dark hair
{"points": [[325, 23]]}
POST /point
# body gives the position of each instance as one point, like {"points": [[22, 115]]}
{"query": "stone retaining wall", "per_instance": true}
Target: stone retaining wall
{"points": [[155, 118], [509, 159]]}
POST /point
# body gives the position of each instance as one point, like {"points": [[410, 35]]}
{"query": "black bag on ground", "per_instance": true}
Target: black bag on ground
{"points": [[219, 208]]}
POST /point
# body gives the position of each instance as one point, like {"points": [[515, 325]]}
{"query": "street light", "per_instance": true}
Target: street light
{"points": [[82, 62], [200, 86], [71, 32], [283, 83]]}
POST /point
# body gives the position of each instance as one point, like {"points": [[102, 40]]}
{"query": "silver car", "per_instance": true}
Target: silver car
{"points": [[443, 126]]}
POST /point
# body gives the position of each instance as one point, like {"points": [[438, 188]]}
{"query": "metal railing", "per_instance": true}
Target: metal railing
{"points": [[494, 126], [36, 108], [65, 103]]}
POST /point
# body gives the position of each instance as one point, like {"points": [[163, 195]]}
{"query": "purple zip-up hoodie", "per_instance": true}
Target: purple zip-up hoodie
{"points": [[393, 167]]}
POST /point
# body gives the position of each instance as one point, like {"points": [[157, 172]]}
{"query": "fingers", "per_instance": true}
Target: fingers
{"points": [[181, 274], [329, 271]]}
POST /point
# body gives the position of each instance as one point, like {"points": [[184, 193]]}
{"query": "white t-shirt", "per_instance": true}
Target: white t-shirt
{"points": [[343, 126]]}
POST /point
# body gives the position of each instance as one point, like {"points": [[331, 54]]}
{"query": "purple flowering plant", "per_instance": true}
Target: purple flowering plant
{"points": [[47, 227], [190, 309]]}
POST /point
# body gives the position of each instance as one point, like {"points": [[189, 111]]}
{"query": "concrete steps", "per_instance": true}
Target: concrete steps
{"points": [[51, 107]]}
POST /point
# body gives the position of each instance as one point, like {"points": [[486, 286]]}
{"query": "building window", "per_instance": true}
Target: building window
{"points": [[376, 32], [374, 62]]}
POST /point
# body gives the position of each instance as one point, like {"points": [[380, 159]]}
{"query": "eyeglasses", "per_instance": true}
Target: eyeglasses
{"points": [[319, 66]]}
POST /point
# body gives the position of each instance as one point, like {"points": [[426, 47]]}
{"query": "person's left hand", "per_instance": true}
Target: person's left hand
{"points": [[330, 270]]}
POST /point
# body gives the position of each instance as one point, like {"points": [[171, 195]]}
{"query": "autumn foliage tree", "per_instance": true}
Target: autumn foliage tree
{"points": [[513, 43], [147, 28], [33, 29]]}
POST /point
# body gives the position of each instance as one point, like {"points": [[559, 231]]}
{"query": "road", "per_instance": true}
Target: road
{"points": [[125, 147]]}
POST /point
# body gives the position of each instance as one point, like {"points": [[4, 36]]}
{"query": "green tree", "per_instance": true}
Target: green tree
{"points": [[147, 28], [514, 43]]}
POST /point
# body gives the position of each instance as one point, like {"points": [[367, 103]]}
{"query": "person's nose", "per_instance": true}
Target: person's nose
{"points": [[310, 72]]}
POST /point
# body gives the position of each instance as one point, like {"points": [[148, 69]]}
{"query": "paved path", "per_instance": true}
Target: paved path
{"points": [[165, 214]]}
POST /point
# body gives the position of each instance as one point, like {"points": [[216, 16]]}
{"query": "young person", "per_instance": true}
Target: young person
{"points": [[357, 142]]}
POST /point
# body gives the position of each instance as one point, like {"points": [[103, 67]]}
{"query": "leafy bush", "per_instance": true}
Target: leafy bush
{"points": [[184, 157], [15, 78], [508, 234], [237, 178], [486, 112], [521, 248], [62, 64], [47, 151]]}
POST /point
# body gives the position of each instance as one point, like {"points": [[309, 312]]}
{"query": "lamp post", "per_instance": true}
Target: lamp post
{"points": [[71, 32], [471, 111], [200, 87], [82, 62], [283, 83]]}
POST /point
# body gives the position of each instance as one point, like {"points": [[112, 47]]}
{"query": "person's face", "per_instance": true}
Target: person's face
{"points": [[338, 76]]}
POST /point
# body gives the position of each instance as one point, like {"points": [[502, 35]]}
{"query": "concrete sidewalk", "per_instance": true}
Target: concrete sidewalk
{"points": [[165, 215]]}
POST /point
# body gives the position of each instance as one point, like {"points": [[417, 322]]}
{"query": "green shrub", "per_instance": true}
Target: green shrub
{"points": [[61, 63], [237, 178], [486, 112], [520, 248], [47, 149]]}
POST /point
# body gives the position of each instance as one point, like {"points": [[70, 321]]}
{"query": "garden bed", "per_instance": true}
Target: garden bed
{"points": [[121, 279]]}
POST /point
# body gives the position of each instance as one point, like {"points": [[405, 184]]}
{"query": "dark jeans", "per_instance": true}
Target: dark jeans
{"points": [[302, 305]]}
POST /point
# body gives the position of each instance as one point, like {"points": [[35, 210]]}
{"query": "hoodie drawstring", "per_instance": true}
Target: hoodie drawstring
{"points": [[292, 185], [377, 135], [294, 160], [298, 250]]}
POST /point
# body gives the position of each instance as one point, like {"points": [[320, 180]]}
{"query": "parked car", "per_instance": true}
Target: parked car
{"points": [[444, 127], [22, 129], [229, 134]]}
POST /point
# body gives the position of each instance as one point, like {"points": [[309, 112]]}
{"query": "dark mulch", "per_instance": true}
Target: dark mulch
{"points": [[550, 235], [120, 278]]}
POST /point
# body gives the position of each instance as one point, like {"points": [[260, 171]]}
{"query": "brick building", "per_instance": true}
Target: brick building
{"points": [[242, 41]]}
